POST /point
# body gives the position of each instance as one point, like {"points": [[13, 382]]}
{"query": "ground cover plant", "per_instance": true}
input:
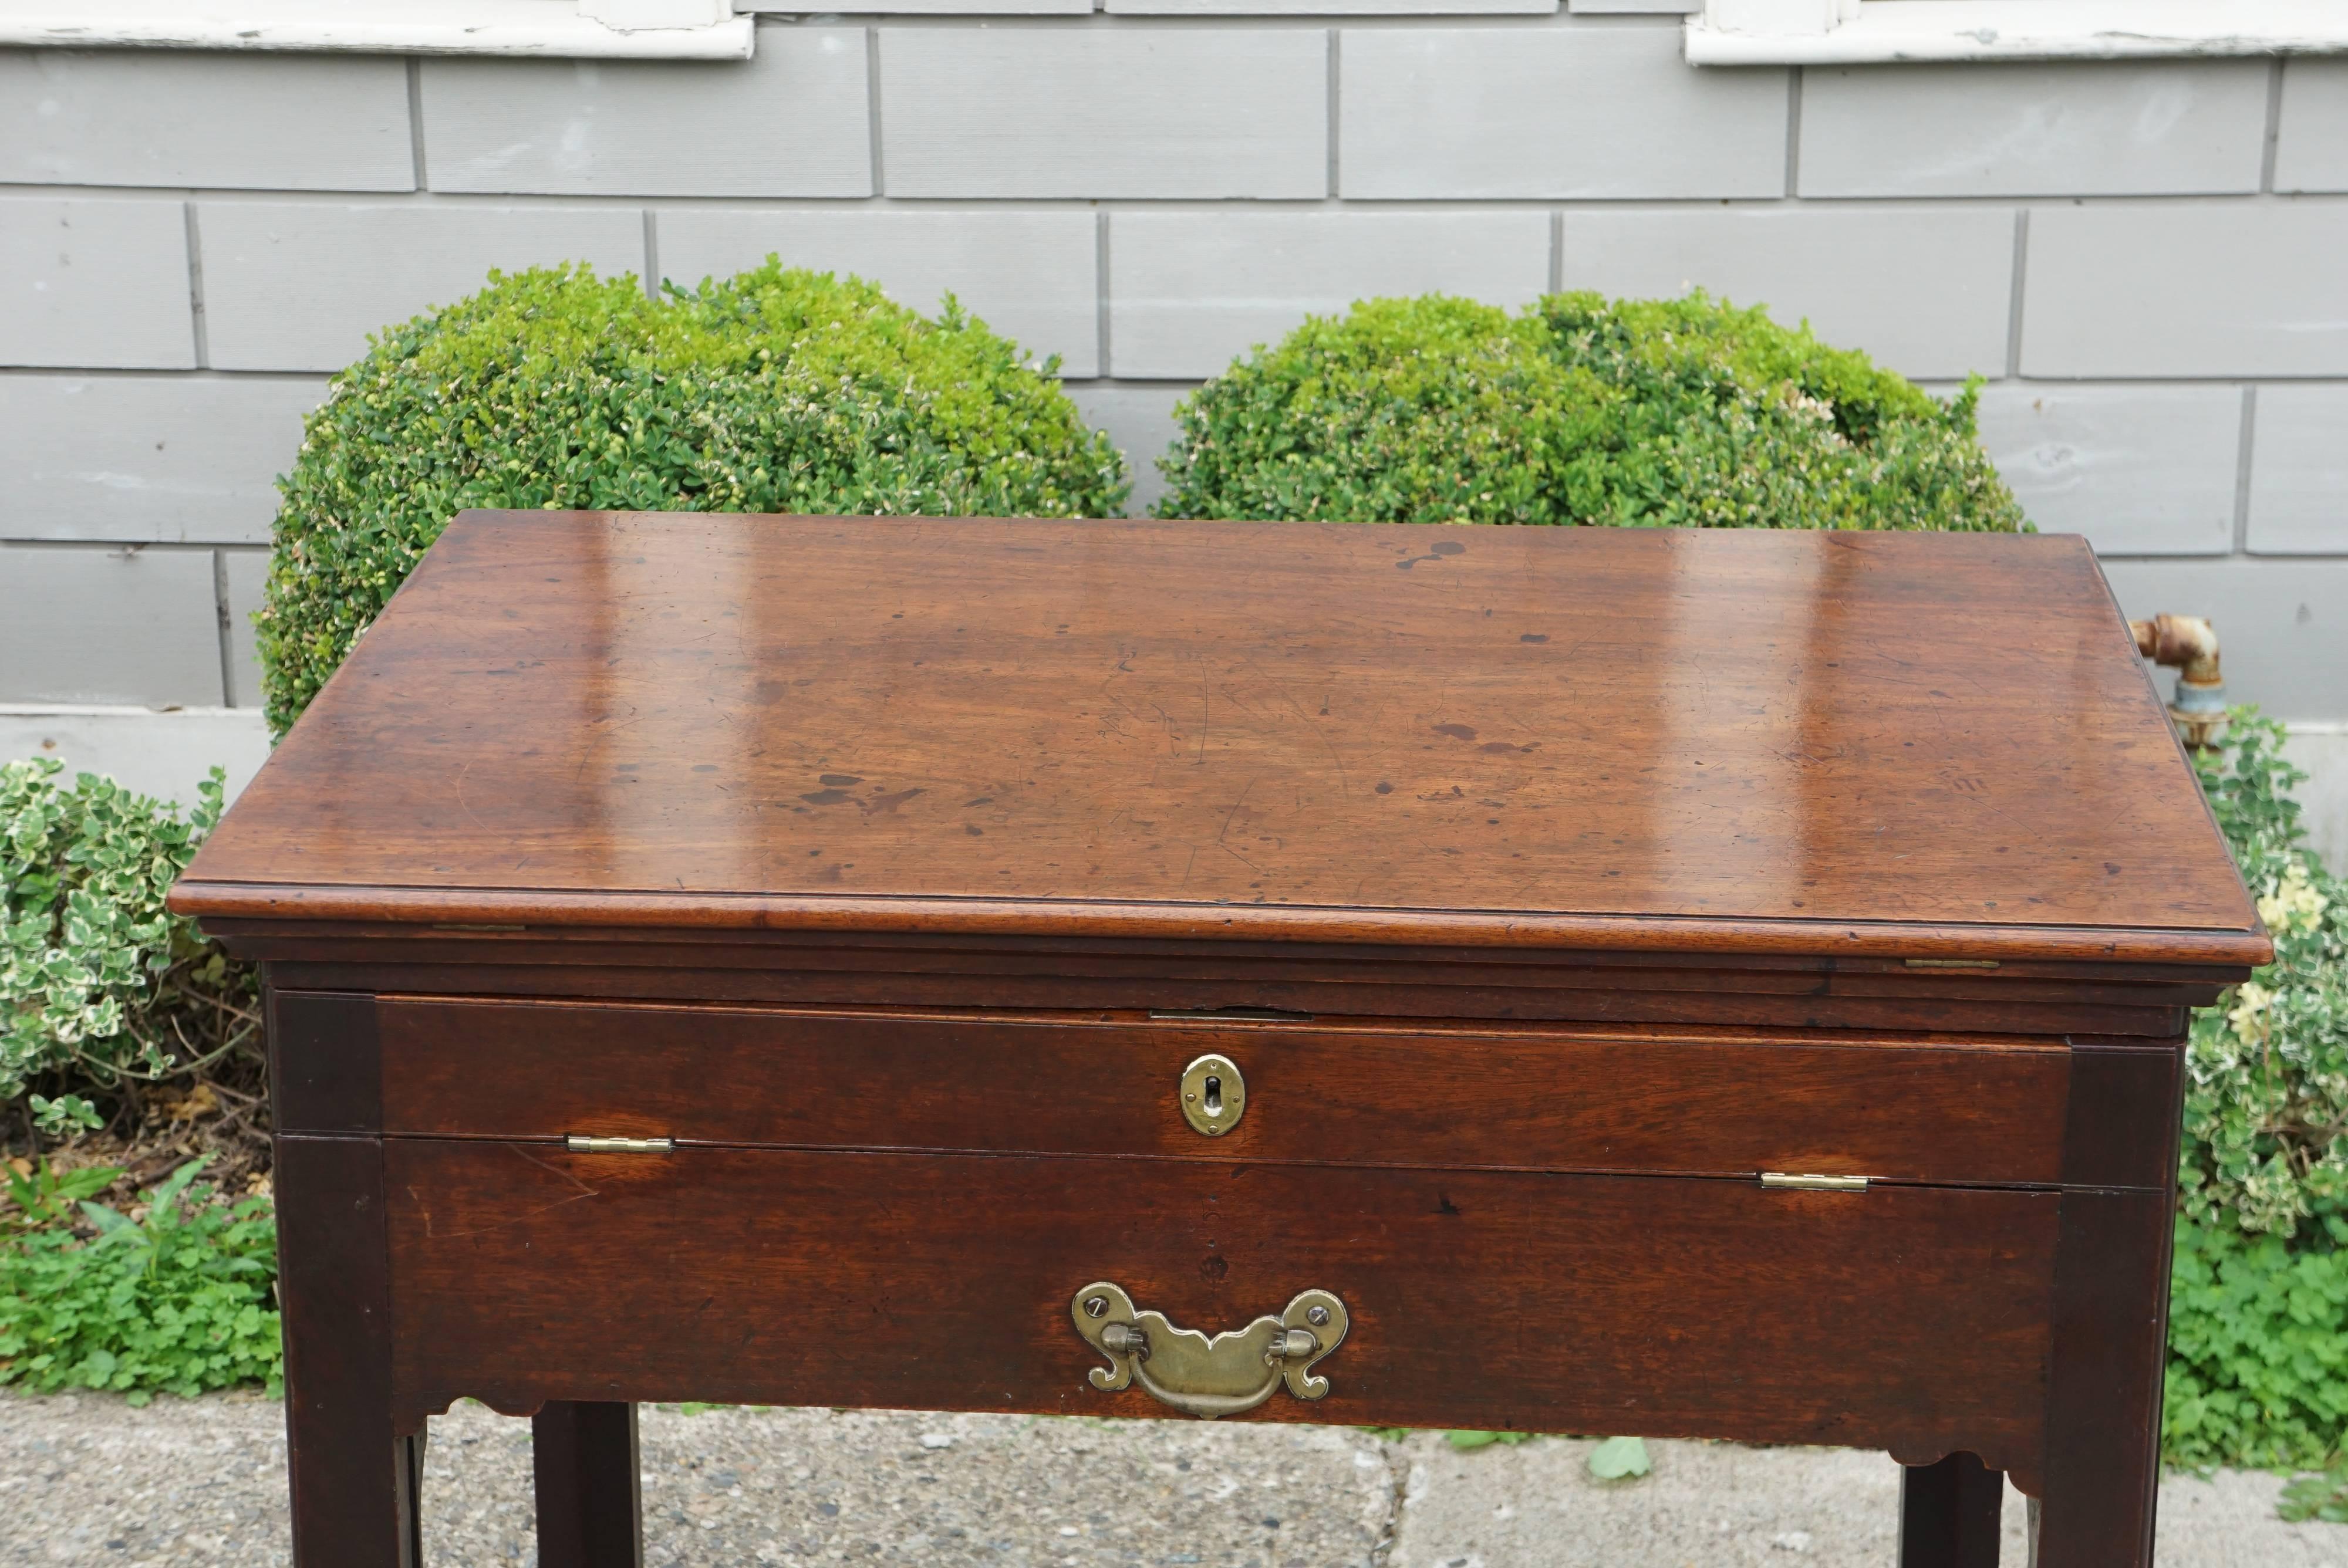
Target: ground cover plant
{"points": [[177, 1296], [2258, 1368], [1634, 412], [773, 391]]}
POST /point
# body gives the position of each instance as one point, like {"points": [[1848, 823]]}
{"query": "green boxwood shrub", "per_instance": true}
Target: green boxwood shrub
{"points": [[1678, 412], [774, 390]]}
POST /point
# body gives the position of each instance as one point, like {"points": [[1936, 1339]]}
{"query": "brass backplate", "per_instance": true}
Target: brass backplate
{"points": [[1224, 1375], [1214, 1095]]}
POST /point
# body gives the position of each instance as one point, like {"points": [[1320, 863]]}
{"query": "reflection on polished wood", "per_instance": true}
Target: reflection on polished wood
{"points": [[756, 958], [1499, 736]]}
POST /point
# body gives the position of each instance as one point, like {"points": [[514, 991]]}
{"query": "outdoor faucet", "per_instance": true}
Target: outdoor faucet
{"points": [[2188, 644]]}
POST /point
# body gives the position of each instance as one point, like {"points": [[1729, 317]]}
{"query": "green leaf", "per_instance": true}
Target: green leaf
{"points": [[1617, 1457], [2311, 1497], [1466, 1440]]}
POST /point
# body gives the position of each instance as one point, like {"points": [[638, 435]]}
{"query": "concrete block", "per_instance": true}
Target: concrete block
{"points": [[1032, 276], [157, 117], [146, 459], [2298, 472], [95, 284], [2140, 470], [1199, 112], [1923, 289], [2311, 140], [2283, 623], [246, 575], [793, 120], [1331, 7], [2321, 747], [299, 286], [161, 755], [1141, 420], [2093, 127], [2186, 287], [91, 625], [1458, 114], [1190, 290], [936, 7]]}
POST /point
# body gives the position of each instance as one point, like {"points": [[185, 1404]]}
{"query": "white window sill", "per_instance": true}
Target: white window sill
{"points": [[543, 28], [1888, 31]]}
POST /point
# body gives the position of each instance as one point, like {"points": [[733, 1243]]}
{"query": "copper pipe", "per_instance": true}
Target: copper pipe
{"points": [[2187, 644]]}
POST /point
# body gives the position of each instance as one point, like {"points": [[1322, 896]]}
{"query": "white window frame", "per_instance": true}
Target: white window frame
{"points": [[576, 29], [1869, 32]]}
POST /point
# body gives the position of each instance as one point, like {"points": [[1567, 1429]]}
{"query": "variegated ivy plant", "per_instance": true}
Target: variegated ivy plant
{"points": [[98, 982], [2266, 1106]]}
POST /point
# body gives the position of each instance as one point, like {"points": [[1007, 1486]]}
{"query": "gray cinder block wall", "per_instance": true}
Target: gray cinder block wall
{"points": [[2148, 262]]}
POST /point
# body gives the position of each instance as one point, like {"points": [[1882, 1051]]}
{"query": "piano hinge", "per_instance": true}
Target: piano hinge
{"points": [[579, 1143], [1949, 963], [1781, 1180]]}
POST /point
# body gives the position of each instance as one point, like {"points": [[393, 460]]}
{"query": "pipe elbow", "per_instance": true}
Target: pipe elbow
{"points": [[2187, 644]]}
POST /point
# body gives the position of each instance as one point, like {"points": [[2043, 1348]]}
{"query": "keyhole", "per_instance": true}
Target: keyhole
{"points": [[1214, 1095]]}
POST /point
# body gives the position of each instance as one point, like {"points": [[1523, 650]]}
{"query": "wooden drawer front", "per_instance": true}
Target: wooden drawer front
{"points": [[1911, 1319], [1547, 1100]]}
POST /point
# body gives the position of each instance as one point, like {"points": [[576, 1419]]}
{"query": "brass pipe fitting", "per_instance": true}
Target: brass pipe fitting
{"points": [[2187, 644]]}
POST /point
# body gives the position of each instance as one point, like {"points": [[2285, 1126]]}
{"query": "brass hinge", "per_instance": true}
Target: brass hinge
{"points": [[1783, 1181], [579, 1143], [1228, 1015]]}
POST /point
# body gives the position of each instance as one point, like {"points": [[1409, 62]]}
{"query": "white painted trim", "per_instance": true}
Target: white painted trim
{"points": [[560, 28], [1788, 32]]}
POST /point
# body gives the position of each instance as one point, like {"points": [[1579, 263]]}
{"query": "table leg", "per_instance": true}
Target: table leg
{"points": [[590, 1512], [2103, 1406], [1949, 1515], [354, 1480]]}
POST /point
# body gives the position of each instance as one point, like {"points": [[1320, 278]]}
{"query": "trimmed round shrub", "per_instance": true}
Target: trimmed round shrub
{"points": [[1653, 412], [774, 390]]}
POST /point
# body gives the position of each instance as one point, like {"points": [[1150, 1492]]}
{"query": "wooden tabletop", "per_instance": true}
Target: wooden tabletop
{"points": [[1774, 741]]}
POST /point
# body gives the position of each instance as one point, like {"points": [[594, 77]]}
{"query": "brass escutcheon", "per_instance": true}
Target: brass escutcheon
{"points": [[1223, 1376], [1213, 1094]]}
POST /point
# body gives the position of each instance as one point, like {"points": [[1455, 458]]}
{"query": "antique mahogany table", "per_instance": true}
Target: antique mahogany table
{"points": [[1714, 984]]}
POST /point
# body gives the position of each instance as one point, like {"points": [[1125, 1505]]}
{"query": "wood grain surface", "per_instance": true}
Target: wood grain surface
{"points": [[1399, 983], [352, 1477], [1910, 1319], [1696, 1101], [1773, 740]]}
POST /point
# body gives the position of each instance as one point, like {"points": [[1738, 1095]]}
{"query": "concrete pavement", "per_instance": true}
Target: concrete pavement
{"points": [[86, 1480]]}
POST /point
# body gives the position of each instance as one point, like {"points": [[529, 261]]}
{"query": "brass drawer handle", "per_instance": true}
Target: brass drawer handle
{"points": [[1207, 1378]]}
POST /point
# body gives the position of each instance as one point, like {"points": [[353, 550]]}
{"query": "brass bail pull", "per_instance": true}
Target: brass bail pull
{"points": [[1222, 1376]]}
